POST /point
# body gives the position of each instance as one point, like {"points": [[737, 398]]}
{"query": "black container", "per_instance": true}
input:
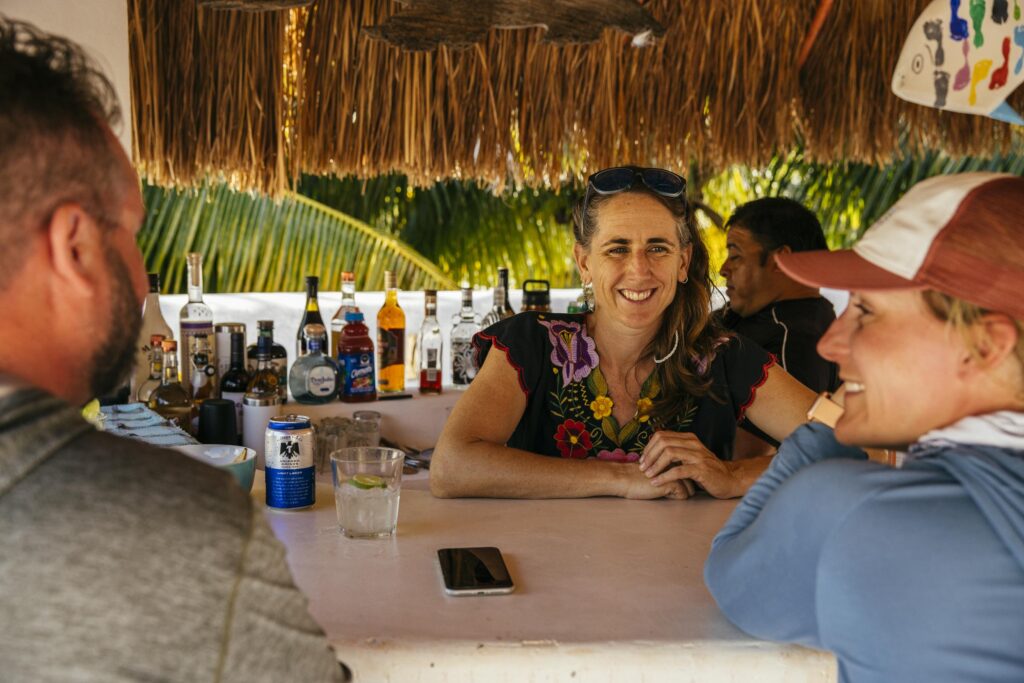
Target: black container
{"points": [[537, 295], [217, 422]]}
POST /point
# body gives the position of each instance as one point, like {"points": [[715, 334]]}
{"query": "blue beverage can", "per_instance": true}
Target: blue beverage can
{"points": [[291, 465]]}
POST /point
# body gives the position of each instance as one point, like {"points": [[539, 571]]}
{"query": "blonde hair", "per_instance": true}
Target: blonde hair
{"points": [[962, 317]]}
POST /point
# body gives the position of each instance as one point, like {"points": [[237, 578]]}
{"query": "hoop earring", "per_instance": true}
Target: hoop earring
{"points": [[588, 296], [675, 345]]}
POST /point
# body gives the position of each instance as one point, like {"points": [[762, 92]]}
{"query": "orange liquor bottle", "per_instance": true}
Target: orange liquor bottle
{"points": [[390, 340]]}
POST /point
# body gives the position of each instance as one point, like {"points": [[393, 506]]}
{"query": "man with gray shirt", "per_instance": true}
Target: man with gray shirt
{"points": [[118, 561]]}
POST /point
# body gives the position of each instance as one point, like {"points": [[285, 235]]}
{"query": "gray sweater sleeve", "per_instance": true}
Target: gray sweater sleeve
{"points": [[763, 563], [268, 633]]}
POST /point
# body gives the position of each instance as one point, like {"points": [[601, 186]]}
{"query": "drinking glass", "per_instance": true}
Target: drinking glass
{"points": [[367, 484], [365, 429]]}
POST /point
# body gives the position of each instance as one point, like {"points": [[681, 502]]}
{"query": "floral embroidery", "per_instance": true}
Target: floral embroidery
{"points": [[601, 407], [572, 439], [572, 350], [643, 407], [618, 455], [582, 401]]}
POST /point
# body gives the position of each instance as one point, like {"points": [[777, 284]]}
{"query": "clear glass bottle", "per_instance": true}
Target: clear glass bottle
{"points": [[171, 400], [153, 322], [265, 381], [463, 362], [431, 346], [311, 316], [278, 356], [390, 340], [348, 305], [313, 378], [503, 283], [498, 310], [196, 319], [236, 379], [156, 369]]}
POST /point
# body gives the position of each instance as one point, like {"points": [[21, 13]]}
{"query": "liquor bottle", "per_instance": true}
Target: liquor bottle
{"points": [[313, 378], [348, 305], [355, 361], [196, 319], [390, 340], [278, 356], [156, 369], [498, 310], [262, 399], [236, 380], [463, 362], [503, 283], [311, 316], [171, 400], [431, 346], [152, 323]]}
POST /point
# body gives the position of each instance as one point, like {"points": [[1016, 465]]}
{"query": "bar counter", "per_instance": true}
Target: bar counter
{"points": [[606, 590]]}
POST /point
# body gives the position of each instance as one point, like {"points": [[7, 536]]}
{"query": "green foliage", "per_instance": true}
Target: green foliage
{"points": [[254, 244], [465, 229]]}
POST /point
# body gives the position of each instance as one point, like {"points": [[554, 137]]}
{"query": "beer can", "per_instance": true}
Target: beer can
{"points": [[291, 462]]}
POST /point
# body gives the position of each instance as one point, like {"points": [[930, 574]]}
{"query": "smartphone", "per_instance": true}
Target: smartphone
{"points": [[474, 571]]}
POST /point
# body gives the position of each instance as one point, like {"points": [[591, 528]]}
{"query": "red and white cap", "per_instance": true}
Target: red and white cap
{"points": [[961, 235]]}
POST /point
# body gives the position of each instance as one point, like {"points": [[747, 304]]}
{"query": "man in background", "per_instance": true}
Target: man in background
{"points": [[118, 560], [785, 317]]}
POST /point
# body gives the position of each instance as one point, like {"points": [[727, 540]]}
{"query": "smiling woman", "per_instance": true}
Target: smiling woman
{"points": [[914, 573], [637, 398]]}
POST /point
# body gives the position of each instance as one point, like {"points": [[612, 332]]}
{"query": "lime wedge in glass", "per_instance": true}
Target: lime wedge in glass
{"points": [[367, 481]]}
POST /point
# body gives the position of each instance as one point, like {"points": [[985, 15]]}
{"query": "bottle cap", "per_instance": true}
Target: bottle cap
{"points": [[155, 340], [312, 280], [169, 345], [348, 276], [390, 282], [265, 324], [353, 317], [154, 282]]}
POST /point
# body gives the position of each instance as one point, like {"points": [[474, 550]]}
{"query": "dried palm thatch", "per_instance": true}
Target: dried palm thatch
{"points": [[261, 97]]}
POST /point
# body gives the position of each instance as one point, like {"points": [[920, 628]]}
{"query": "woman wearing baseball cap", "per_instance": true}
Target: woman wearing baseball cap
{"points": [[914, 573]]}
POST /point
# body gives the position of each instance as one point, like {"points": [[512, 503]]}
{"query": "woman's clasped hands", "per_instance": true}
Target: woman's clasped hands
{"points": [[681, 457]]}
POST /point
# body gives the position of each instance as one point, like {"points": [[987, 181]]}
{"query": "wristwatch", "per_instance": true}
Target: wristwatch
{"points": [[825, 410]]}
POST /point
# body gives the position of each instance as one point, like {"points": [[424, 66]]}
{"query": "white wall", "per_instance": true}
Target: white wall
{"points": [[101, 27]]}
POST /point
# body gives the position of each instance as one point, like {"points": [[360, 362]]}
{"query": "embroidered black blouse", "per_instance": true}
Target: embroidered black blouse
{"points": [[568, 410]]}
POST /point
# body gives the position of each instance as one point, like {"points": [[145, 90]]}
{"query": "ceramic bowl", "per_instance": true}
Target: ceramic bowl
{"points": [[225, 457]]}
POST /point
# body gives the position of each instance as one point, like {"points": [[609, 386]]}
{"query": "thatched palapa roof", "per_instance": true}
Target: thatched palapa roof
{"points": [[261, 97]]}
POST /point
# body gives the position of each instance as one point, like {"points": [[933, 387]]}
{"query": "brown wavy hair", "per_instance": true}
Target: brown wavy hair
{"points": [[684, 376]]}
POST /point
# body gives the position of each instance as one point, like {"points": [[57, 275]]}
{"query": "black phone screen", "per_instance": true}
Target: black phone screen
{"points": [[473, 569]]}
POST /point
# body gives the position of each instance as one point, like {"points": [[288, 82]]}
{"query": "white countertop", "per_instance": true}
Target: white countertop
{"points": [[606, 590]]}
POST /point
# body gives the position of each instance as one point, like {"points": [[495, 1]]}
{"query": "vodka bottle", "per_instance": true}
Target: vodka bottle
{"points": [[431, 346], [196, 320], [463, 362], [348, 305]]}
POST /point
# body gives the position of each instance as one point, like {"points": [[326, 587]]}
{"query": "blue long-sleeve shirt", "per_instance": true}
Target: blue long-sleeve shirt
{"points": [[913, 574]]}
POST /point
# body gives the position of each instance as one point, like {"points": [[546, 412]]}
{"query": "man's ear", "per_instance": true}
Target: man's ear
{"points": [[774, 264], [582, 259], [76, 248]]}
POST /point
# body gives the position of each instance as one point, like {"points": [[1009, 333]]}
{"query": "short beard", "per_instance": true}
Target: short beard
{"points": [[113, 359]]}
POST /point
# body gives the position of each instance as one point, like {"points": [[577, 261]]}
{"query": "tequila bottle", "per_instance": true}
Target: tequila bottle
{"points": [[431, 346], [348, 305], [498, 310], [390, 340], [196, 320], [156, 369], [463, 362], [313, 378], [153, 323], [278, 356], [171, 400]]}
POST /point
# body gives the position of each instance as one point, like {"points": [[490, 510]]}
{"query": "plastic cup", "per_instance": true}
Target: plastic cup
{"points": [[367, 486]]}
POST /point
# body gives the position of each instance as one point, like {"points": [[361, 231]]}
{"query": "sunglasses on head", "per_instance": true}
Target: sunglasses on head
{"points": [[622, 178]]}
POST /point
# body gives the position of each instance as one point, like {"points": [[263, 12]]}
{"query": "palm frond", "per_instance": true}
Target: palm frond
{"points": [[255, 244]]}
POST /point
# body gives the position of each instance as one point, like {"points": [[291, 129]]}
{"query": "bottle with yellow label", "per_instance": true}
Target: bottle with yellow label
{"points": [[390, 340]]}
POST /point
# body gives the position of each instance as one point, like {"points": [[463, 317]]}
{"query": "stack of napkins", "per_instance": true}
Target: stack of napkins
{"points": [[137, 421]]}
